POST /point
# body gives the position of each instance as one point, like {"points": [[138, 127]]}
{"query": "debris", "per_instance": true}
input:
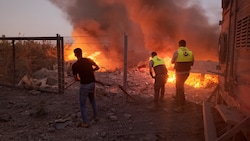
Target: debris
{"points": [[62, 122], [70, 84], [127, 116], [126, 93], [61, 125], [5, 118], [26, 81]]}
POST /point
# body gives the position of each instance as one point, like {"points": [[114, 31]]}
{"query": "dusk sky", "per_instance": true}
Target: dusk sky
{"points": [[41, 18]]}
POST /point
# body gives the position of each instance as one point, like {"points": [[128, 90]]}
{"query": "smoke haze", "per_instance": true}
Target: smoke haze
{"points": [[151, 25]]}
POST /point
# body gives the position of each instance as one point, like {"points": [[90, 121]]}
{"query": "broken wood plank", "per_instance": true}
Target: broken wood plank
{"points": [[229, 114], [209, 125], [237, 128]]}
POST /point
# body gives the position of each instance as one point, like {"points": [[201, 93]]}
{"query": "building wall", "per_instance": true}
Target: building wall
{"points": [[235, 83]]}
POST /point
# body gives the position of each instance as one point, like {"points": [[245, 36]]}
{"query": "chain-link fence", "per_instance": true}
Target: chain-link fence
{"points": [[33, 63], [44, 63]]}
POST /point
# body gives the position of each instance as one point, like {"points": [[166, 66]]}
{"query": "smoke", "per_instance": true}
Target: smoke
{"points": [[151, 25]]}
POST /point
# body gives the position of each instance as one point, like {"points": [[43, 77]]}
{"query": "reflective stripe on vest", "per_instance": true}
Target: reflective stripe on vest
{"points": [[184, 55], [157, 61]]}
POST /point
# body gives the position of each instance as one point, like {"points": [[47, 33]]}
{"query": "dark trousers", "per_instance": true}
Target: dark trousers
{"points": [[159, 87], [180, 81]]}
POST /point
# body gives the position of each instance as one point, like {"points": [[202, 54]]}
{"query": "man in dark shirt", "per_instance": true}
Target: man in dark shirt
{"points": [[83, 71]]}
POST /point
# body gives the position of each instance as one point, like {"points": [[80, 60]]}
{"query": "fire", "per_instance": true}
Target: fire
{"points": [[95, 52], [70, 56], [91, 48], [171, 77], [196, 80]]}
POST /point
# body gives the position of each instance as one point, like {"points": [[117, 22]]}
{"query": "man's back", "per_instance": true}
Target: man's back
{"points": [[83, 67], [160, 69]]}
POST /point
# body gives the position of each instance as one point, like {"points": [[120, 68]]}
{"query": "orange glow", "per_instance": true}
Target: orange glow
{"points": [[69, 55], [171, 77], [196, 80], [107, 62], [91, 48]]}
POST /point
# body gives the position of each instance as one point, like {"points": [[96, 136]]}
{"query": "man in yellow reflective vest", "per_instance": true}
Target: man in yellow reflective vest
{"points": [[158, 67], [182, 59]]}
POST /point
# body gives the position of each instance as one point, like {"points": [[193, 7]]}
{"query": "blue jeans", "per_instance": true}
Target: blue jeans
{"points": [[87, 91]]}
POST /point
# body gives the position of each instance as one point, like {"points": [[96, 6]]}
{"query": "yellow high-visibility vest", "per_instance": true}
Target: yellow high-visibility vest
{"points": [[157, 61], [184, 55]]}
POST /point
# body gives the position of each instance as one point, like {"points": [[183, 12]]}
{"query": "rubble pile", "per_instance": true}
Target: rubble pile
{"points": [[33, 115]]}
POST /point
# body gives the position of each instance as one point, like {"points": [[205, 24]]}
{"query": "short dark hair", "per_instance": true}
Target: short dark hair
{"points": [[182, 43], [153, 54], [77, 50]]}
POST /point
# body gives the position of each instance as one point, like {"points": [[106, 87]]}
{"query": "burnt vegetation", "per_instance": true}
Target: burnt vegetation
{"points": [[25, 57]]}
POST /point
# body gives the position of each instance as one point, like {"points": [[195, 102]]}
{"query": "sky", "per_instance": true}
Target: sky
{"points": [[32, 18], [41, 18]]}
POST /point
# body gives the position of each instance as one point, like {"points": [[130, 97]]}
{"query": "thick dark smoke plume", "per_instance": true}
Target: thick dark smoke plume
{"points": [[151, 25]]}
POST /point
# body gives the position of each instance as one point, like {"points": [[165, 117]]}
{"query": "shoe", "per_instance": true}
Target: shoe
{"points": [[179, 109], [84, 125]]}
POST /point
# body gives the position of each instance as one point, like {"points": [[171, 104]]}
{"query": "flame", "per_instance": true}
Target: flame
{"points": [[70, 56], [95, 52], [91, 48], [196, 80], [171, 77]]}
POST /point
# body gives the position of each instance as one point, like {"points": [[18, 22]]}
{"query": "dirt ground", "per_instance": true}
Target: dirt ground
{"points": [[28, 115]]}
